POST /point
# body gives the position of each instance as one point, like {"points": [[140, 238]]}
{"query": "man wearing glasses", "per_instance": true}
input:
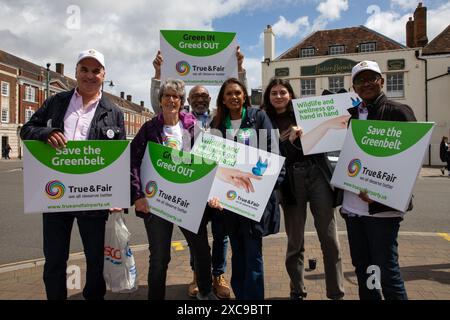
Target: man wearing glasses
{"points": [[372, 227]]}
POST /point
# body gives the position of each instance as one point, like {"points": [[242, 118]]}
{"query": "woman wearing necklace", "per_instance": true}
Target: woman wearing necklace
{"points": [[237, 120]]}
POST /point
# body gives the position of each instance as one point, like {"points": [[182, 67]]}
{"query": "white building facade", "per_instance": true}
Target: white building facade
{"points": [[414, 76]]}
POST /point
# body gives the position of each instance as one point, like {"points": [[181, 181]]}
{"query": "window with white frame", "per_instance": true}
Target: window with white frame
{"points": [[5, 89], [28, 113], [308, 87], [30, 94], [307, 52], [395, 87], [4, 103], [335, 83], [339, 49], [5, 114], [368, 47]]}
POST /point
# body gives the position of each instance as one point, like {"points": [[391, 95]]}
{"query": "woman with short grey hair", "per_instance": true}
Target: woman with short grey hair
{"points": [[175, 129], [173, 85]]}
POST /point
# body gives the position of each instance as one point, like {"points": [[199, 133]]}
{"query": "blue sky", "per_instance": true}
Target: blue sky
{"points": [[128, 32]]}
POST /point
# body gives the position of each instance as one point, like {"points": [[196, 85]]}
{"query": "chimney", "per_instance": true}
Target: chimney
{"points": [[60, 68], [122, 94], [142, 104], [269, 44], [420, 26], [410, 33], [128, 97]]}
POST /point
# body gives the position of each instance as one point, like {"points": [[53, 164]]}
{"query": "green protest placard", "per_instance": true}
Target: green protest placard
{"points": [[383, 158], [324, 121], [198, 57], [86, 175], [246, 175], [168, 180]]}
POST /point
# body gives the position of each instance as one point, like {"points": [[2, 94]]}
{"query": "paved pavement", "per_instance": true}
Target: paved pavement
{"points": [[424, 260]]}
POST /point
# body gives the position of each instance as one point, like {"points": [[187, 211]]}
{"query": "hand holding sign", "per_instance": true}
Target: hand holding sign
{"points": [[141, 205], [215, 203], [157, 62], [57, 140], [296, 132], [365, 197], [240, 59]]}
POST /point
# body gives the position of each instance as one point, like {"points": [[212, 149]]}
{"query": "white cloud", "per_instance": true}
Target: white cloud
{"points": [[393, 24], [405, 4], [437, 20], [283, 28], [253, 68], [388, 23], [331, 9], [126, 32]]}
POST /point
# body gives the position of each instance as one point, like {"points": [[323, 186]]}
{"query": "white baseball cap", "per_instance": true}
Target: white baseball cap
{"points": [[365, 65], [94, 54]]}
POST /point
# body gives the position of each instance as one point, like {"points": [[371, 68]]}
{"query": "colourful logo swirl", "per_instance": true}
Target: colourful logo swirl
{"points": [[183, 68], [55, 189], [231, 195], [150, 189], [171, 142], [354, 167]]}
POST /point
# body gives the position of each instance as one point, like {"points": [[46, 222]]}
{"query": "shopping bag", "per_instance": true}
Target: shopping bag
{"points": [[119, 269]]}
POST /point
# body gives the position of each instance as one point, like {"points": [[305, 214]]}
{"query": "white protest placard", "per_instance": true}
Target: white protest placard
{"points": [[86, 175], [383, 158], [198, 57], [246, 175], [176, 185], [324, 121]]}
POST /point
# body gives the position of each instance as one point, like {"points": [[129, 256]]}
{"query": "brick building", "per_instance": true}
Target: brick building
{"points": [[24, 89], [417, 74]]}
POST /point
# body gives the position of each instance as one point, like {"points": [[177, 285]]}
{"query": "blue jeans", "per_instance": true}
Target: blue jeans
{"points": [[247, 273], [57, 230], [159, 233], [373, 241], [219, 245]]}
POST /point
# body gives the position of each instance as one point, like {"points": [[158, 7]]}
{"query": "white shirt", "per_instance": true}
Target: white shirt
{"points": [[77, 120], [173, 136], [236, 125]]}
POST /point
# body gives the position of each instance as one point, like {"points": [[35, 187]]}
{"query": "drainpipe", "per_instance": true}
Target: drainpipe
{"points": [[417, 54]]}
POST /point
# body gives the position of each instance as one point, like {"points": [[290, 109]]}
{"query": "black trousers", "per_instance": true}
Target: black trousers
{"points": [[159, 233], [57, 231]]}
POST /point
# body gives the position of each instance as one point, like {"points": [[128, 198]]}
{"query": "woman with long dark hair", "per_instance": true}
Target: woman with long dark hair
{"points": [[237, 120], [307, 180]]}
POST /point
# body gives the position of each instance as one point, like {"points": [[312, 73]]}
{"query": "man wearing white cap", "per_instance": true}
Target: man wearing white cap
{"points": [[372, 227], [82, 113]]}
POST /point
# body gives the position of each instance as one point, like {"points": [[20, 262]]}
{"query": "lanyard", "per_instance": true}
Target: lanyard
{"points": [[228, 119]]}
